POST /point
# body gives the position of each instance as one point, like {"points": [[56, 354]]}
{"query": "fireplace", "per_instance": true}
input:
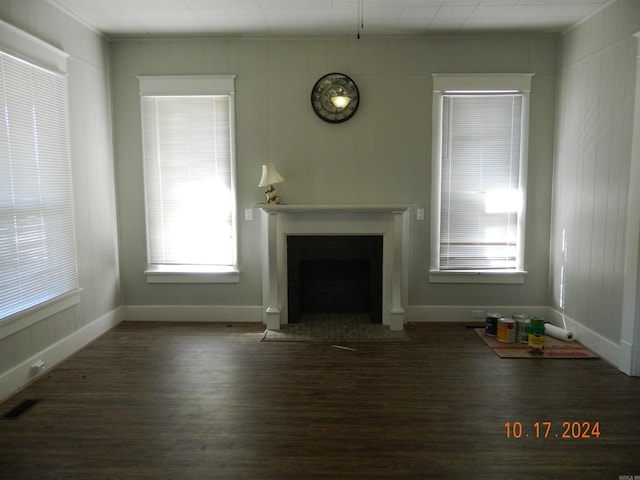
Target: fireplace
{"points": [[334, 274], [280, 222]]}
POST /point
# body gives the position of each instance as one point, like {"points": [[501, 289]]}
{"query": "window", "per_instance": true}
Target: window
{"points": [[188, 144], [37, 236], [479, 177]]}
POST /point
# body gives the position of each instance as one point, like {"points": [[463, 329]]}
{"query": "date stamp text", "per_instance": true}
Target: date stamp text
{"points": [[576, 430]]}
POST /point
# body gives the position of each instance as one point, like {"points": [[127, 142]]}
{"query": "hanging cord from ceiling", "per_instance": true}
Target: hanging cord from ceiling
{"points": [[360, 17]]}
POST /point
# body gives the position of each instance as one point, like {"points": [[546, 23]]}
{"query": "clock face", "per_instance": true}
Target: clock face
{"points": [[335, 98]]}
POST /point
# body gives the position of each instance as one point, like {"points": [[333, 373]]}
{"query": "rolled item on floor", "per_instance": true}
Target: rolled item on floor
{"points": [[559, 333]]}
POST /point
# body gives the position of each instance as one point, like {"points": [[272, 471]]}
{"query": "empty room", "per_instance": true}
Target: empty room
{"points": [[292, 239]]}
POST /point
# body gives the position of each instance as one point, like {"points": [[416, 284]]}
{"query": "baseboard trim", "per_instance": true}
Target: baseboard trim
{"points": [[20, 376], [626, 355], [608, 350], [455, 313], [193, 313]]}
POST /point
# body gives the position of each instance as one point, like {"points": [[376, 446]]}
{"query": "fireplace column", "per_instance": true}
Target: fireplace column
{"points": [[400, 269], [270, 269]]}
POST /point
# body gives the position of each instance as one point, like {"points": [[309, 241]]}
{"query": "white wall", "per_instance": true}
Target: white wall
{"points": [[381, 155], [597, 88], [93, 175]]}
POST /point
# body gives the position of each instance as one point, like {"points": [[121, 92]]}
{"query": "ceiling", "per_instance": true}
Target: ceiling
{"points": [[126, 18]]}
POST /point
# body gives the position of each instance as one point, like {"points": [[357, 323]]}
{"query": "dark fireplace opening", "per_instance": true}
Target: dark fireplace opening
{"points": [[335, 286], [334, 274]]}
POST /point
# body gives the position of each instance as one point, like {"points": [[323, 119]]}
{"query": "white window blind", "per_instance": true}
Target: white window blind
{"points": [[37, 237], [190, 201], [480, 195]]}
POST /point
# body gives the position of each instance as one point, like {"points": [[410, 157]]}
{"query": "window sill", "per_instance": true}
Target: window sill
{"points": [[21, 320], [192, 274], [476, 276]]}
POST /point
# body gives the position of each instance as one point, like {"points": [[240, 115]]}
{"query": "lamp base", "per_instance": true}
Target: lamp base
{"points": [[272, 198]]}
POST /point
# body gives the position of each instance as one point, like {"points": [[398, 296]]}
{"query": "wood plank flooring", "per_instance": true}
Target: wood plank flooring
{"points": [[211, 401]]}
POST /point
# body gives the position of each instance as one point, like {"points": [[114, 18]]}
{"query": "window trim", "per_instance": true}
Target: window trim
{"points": [[25, 318], [193, 85], [37, 52], [476, 83], [32, 49], [192, 274]]}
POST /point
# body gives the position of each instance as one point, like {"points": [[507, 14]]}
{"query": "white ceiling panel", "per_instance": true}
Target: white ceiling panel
{"points": [[118, 18], [223, 4]]}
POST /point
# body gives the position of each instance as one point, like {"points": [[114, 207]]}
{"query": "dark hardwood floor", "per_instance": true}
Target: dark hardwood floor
{"points": [[211, 401]]}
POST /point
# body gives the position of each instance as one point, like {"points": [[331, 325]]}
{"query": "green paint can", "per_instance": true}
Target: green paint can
{"points": [[536, 336]]}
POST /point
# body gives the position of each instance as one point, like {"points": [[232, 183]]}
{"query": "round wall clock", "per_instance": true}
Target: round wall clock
{"points": [[335, 98]]}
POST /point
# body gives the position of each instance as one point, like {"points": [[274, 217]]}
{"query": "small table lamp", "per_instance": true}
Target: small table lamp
{"points": [[270, 176]]}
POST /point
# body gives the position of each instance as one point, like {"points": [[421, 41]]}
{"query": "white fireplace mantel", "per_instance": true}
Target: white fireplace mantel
{"points": [[391, 221]]}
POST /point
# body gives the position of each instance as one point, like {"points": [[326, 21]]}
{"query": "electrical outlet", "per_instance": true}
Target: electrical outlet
{"points": [[248, 214], [420, 214], [477, 314], [38, 367]]}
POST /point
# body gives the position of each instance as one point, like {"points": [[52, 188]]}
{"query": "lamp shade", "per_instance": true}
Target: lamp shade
{"points": [[269, 175]]}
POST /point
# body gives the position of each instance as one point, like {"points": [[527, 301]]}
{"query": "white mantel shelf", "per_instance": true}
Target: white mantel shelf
{"points": [[337, 208], [391, 221]]}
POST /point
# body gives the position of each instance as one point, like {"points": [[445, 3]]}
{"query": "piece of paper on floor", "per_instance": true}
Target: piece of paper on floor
{"points": [[344, 348]]}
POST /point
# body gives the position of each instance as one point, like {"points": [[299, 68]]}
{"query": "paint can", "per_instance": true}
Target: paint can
{"points": [[536, 335], [522, 327], [506, 330], [491, 324]]}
